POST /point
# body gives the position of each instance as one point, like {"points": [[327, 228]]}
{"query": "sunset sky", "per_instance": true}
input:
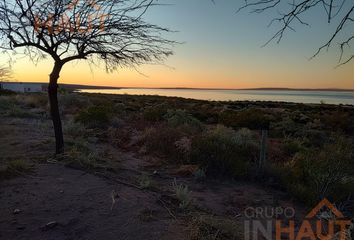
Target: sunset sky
{"points": [[221, 49]]}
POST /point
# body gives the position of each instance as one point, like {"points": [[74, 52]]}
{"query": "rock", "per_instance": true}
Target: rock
{"points": [[17, 211], [49, 226], [185, 170]]}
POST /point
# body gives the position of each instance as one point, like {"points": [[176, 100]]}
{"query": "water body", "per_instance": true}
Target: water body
{"points": [[298, 96]]}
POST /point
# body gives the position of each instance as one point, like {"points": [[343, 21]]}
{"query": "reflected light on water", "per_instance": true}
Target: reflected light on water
{"points": [[297, 96]]}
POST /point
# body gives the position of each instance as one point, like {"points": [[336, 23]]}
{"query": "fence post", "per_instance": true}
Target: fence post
{"points": [[263, 154]]}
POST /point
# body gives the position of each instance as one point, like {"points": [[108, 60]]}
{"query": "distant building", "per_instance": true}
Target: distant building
{"points": [[22, 87]]}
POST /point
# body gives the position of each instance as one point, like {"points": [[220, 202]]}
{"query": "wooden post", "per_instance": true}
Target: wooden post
{"points": [[263, 153]]}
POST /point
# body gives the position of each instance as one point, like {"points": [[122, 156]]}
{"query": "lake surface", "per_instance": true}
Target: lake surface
{"points": [[329, 97]]}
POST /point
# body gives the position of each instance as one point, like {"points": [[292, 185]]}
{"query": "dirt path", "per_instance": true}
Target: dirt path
{"points": [[80, 205]]}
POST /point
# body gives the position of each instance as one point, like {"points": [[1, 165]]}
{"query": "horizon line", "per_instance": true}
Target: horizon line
{"points": [[189, 88]]}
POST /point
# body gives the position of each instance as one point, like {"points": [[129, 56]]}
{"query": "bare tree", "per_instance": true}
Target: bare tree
{"points": [[292, 13], [111, 31]]}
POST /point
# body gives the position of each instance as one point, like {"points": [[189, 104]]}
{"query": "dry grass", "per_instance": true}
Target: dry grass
{"points": [[145, 181], [207, 227], [182, 194], [15, 168]]}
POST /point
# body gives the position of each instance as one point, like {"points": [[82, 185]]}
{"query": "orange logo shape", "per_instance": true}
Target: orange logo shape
{"points": [[91, 3], [329, 205]]}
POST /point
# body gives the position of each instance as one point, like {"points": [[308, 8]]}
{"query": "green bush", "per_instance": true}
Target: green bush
{"points": [[6, 103], [155, 113], [81, 156], [290, 146], [339, 121], [95, 117], [70, 102], [162, 141], [183, 195], [182, 119], [145, 181], [18, 112], [74, 129], [14, 168], [19, 106], [4, 92], [318, 173], [33, 100], [222, 151], [206, 113], [314, 138], [249, 118]]}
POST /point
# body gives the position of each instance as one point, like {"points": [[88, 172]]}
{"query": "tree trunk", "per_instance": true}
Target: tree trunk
{"points": [[54, 107]]}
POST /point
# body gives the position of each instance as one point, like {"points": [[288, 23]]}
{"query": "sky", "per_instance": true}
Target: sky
{"points": [[219, 49]]}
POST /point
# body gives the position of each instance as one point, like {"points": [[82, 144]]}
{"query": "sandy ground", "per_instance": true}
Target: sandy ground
{"points": [[58, 202], [80, 204]]}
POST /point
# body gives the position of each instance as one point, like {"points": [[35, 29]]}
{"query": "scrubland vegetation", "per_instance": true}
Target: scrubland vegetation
{"points": [[310, 149]]}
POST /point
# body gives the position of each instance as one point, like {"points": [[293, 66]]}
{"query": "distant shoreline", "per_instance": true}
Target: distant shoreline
{"points": [[216, 89], [74, 87], [252, 89], [228, 89]]}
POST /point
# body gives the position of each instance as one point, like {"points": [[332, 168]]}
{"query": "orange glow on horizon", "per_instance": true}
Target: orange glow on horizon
{"points": [[159, 76]]}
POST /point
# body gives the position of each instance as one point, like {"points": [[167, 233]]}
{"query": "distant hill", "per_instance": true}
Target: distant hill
{"points": [[264, 89], [73, 87], [301, 89]]}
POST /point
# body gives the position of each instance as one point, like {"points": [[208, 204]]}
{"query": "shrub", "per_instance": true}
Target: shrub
{"points": [[314, 138], [32, 100], [145, 181], [246, 138], [18, 166], [4, 92], [72, 101], [184, 147], [318, 173], [155, 113], [222, 151], [95, 117], [166, 141], [163, 140], [182, 194], [180, 118], [18, 106], [80, 155], [211, 227], [292, 146], [6, 103], [286, 127], [119, 137], [199, 175], [14, 168], [77, 158], [249, 118], [18, 112], [207, 113], [339, 121], [74, 129]]}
